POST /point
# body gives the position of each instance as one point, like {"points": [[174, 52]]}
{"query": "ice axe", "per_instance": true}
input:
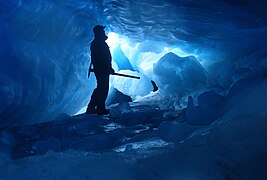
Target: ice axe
{"points": [[117, 74], [125, 75], [155, 87]]}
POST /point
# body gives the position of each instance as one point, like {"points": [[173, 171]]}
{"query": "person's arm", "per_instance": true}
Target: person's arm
{"points": [[109, 59]]}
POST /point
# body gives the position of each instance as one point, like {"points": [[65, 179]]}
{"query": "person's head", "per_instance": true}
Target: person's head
{"points": [[99, 32]]}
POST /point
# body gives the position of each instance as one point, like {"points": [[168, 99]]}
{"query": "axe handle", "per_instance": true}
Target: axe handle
{"points": [[117, 74], [125, 75]]}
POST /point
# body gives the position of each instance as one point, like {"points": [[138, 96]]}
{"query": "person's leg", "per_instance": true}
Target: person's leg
{"points": [[91, 108], [103, 87]]}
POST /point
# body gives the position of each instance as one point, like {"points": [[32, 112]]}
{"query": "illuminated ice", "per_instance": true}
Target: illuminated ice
{"points": [[135, 88], [181, 76], [44, 58]]}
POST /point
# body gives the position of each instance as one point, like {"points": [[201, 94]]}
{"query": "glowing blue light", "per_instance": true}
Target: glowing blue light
{"points": [[113, 40]]}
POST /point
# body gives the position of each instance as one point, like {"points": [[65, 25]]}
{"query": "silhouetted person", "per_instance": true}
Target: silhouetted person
{"points": [[101, 61]]}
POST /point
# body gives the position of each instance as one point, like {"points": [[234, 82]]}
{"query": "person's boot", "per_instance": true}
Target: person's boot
{"points": [[91, 110], [103, 111]]}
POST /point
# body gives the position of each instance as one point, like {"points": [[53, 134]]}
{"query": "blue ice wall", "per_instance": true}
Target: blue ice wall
{"points": [[44, 57], [216, 31], [44, 52]]}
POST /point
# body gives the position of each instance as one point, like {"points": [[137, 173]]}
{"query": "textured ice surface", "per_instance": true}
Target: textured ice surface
{"points": [[44, 56], [134, 88], [247, 97], [227, 148], [45, 47], [210, 107], [181, 76]]}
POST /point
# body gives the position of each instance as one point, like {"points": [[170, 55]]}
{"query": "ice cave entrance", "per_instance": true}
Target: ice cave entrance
{"points": [[139, 59], [126, 59], [136, 58]]}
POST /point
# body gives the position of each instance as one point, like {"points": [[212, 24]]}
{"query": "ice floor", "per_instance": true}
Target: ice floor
{"points": [[135, 141], [125, 127]]}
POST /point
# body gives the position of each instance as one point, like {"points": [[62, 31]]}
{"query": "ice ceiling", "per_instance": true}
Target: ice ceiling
{"points": [[44, 46]]}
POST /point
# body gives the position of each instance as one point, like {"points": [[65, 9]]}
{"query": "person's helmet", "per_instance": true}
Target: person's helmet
{"points": [[99, 30]]}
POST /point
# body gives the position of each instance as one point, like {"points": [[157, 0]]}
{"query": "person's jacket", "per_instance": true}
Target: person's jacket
{"points": [[100, 57]]}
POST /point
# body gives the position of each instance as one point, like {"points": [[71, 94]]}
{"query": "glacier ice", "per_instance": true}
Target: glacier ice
{"points": [[116, 96], [181, 76], [135, 88], [52, 144], [212, 53], [247, 97], [172, 131], [121, 109], [210, 108], [121, 60], [44, 60]]}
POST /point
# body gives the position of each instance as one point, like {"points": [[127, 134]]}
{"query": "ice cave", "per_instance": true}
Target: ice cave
{"points": [[198, 111]]}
